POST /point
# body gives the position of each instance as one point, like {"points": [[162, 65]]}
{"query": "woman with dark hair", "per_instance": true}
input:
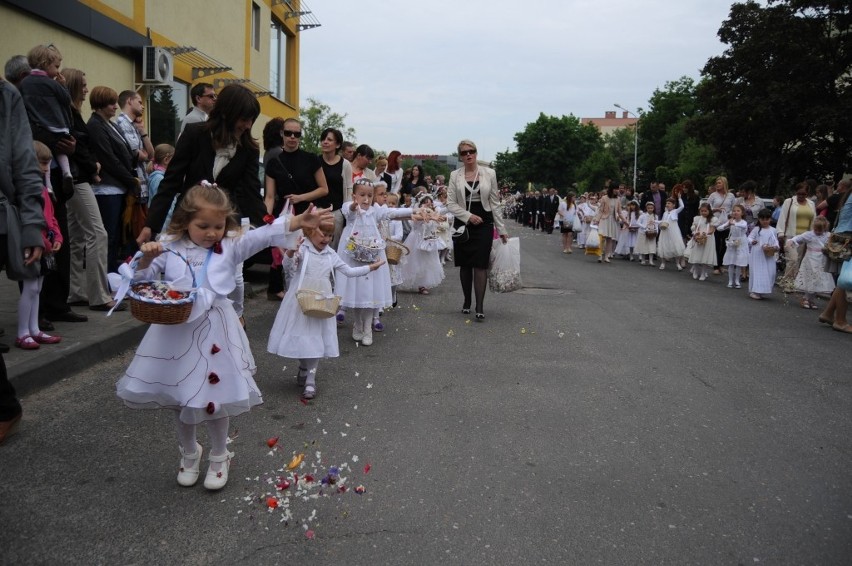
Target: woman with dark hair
{"points": [[821, 200], [751, 202], [86, 232], [395, 171], [416, 179], [272, 140], [117, 174], [338, 177], [473, 197], [691, 201], [220, 150]]}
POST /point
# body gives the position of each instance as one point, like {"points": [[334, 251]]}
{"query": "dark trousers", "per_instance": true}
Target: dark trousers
{"points": [[112, 209], [720, 237], [53, 298], [9, 405]]}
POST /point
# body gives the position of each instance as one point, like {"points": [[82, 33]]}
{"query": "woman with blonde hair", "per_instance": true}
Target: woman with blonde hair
{"points": [[721, 202]]}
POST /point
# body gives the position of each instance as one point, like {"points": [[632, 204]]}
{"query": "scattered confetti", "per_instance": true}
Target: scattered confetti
{"points": [[450, 333], [295, 461], [561, 334], [369, 386], [523, 330], [355, 458], [357, 374]]}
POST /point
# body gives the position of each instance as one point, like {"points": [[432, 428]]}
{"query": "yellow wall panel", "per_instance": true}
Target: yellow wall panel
{"points": [[102, 66]]}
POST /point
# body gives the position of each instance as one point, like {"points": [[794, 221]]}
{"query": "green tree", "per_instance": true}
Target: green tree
{"points": [[620, 144], [507, 169], [165, 122], [777, 104], [551, 149], [316, 117], [661, 127], [597, 169]]}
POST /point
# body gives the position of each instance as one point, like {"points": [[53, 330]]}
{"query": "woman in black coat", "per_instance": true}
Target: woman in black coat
{"points": [[118, 169], [220, 150]]}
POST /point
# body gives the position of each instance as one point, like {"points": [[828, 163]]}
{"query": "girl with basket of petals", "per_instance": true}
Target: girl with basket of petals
{"points": [[304, 327], [202, 368]]}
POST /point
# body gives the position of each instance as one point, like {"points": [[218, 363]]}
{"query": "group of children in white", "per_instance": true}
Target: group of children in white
{"points": [[606, 230], [203, 368]]}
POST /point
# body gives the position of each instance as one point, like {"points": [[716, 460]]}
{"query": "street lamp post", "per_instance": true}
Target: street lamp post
{"points": [[635, 144]]}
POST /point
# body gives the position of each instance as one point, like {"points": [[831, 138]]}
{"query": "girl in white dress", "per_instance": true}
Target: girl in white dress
{"points": [[646, 245], [812, 277], [565, 213], [395, 232], [702, 256], [421, 269], [736, 253], [203, 368], [296, 335], [761, 260], [444, 227], [587, 211], [629, 230], [362, 295], [670, 245]]}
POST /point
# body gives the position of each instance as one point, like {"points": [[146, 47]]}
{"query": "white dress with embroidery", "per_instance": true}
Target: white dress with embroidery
{"points": [[295, 335], [737, 243], [204, 367], [422, 267], [812, 277], [761, 269]]}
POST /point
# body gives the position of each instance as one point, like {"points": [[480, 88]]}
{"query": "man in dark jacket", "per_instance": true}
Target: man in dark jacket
{"points": [[657, 195]]}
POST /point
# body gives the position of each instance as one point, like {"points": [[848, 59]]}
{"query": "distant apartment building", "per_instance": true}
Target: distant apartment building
{"points": [[611, 122]]}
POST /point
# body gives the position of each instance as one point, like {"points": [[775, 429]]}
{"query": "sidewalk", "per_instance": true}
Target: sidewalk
{"points": [[83, 343]]}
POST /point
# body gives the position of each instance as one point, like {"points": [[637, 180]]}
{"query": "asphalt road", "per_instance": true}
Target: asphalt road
{"points": [[608, 414]]}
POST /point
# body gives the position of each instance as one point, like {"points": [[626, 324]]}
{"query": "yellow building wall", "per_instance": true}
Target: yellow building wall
{"points": [[170, 23], [102, 66]]}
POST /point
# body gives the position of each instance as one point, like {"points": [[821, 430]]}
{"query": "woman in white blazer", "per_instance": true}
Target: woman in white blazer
{"points": [[473, 198]]}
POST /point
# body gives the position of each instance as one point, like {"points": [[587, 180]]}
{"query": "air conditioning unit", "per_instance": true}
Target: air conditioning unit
{"points": [[157, 65]]}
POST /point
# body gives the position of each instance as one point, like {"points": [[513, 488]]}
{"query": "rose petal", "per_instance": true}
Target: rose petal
{"points": [[211, 408], [213, 378], [215, 349]]}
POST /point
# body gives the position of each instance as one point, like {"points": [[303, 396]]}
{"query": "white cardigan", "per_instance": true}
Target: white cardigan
{"points": [[489, 192]]}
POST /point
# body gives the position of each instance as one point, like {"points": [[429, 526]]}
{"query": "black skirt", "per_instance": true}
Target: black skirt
{"points": [[476, 251]]}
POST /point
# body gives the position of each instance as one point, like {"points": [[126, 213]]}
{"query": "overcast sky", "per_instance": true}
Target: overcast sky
{"points": [[420, 76]]}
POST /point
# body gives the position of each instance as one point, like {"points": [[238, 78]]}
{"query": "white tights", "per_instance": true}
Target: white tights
{"points": [[28, 307], [734, 274], [217, 431], [310, 364]]}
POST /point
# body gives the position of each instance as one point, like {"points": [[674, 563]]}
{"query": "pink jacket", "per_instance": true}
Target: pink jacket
{"points": [[52, 224]]}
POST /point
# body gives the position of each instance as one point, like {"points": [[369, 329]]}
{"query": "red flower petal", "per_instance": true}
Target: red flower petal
{"points": [[341, 489], [211, 408], [304, 401], [217, 247], [271, 502], [310, 534], [271, 442], [268, 218], [360, 489], [309, 478], [213, 379], [283, 485], [215, 349], [367, 468]]}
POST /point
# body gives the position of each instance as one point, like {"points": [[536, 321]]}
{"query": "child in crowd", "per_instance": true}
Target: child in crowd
{"points": [[394, 231], [702, 256], [812, 277], [421, 268], [587, 211], [629, 230], [48, 105], [565, 213], [646, 245], [670, 244], [296, 335], [30, 337], [761, 260], [203, 368], [163, 154], [736, 254], [444, 226], [362, 295]]}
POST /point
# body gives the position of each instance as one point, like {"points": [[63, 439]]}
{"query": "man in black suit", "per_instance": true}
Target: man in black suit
{"points": [[657, 195], [551, 207], [542, 207]]}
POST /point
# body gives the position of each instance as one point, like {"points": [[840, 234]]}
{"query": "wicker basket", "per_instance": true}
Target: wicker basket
{"points": [[701, 238], [395, 250], [315, 305], [156, 311], [769, 251]]}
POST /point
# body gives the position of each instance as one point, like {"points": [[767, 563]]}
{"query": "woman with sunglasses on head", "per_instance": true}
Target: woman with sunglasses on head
{"points": [[473, 197]]}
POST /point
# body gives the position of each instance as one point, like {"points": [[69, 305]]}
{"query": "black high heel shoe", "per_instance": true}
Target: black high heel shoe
{"points": [[466, 309]]}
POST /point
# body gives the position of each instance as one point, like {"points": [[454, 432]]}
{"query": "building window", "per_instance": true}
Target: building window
{"points": [[255, 26], [278, 62], [166, 109]]}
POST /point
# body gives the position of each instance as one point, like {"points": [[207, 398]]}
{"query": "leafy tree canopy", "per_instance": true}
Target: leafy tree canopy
{"points": [[316, 117]]}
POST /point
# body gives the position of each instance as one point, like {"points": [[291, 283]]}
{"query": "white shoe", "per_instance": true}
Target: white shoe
{"points": [[737, 286], [662, 266], [695, 275], [651, 263], [217, 479], [310, 392], [357, 334], [643, 262], [703, 277], [367, 340], [730, 285], [679, 267], [188, 475]]}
